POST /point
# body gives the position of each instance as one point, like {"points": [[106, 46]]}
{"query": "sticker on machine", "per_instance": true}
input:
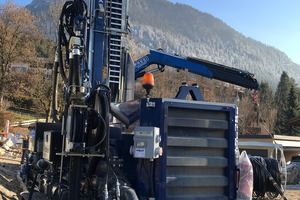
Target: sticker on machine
{"points": [[140, 153]]}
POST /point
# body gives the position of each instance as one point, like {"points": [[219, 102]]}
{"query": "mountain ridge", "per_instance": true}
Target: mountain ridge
{"points": [[182, 29]]}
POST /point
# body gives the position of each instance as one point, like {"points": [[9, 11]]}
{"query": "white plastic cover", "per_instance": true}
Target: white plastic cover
{"points": [[245, 189]]}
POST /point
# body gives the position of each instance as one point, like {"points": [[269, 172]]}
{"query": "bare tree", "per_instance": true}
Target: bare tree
{"points": [[247, 116], [17, 31]]}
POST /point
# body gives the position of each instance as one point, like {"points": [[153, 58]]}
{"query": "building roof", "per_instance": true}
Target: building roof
{"points": [[261, 145], [287, 141]]}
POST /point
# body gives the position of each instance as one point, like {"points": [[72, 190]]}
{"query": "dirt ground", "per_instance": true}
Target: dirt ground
{"points": [[9, 185], [292, 192], [10, 188]]}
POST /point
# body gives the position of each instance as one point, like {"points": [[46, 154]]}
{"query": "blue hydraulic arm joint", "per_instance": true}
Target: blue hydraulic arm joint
{"points": [[161, 58]]}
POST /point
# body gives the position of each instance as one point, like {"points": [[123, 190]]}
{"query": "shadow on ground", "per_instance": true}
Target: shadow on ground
{"points": [[9, 185]]}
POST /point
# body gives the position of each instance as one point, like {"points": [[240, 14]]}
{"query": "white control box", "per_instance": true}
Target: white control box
{"points": [[146, 143]]}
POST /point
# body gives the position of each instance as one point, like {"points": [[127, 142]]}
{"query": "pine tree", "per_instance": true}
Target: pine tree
{"points": [[266, 106], [281, 95], [283, 89], [290, 110], [265, 95]]}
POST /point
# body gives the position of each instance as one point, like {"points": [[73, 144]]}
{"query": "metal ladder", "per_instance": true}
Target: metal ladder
{"points": [[114, 21]]}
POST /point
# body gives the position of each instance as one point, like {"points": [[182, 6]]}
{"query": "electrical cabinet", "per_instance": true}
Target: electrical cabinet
{"points": [[52, 145], [36, 135]]}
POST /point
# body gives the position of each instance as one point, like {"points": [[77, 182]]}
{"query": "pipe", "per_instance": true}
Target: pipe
{"points": [[117, 113], [71, 69], [54, 93], [128, 193], [76, 68], [75, 177], [91, 42], [125, 119], [113, 152]]}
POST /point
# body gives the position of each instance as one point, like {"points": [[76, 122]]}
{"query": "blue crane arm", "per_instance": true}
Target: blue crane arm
{"points": [[161, 58], [197, 66]]}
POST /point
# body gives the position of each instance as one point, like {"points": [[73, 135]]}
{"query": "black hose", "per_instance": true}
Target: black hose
{"points": [[151, 186], [54, 93], [70, 10], [273, 169], [77, 71], [93, 166], [266, 176], [93, 91], [32, 187], [127, 193], [107, 103], [61, 36], [104, 135], [95, 160]]}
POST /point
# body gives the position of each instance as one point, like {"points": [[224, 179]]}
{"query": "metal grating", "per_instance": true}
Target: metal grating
{"points": [[196, 154]]}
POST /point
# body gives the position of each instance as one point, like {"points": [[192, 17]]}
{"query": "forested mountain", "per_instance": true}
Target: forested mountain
{"points": [[39, 5], [181, 29], [186, 31]]}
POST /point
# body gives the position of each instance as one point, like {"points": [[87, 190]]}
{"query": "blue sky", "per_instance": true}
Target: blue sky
{"points": [[272, 22]]}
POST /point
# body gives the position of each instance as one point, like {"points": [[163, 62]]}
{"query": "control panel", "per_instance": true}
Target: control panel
{"points": [[146, 143]]}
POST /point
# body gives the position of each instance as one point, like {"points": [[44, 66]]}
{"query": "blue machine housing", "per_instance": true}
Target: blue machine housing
{"points": [[198, 141]]}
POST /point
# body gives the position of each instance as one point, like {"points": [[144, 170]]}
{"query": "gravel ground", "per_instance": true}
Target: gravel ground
{"points": [[10, 188]]}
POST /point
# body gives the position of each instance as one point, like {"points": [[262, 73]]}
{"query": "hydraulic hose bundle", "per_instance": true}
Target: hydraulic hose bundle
{"points": [[72, 13], [266, 176]]}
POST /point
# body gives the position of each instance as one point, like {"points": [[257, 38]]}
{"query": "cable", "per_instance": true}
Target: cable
{"points": [[104, 136], [114, 174], [94, 89], [70, 13], [107, 137], [266, 176]]}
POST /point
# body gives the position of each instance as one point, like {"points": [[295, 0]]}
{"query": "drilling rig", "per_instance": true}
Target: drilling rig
{"points": [[106, 145]]}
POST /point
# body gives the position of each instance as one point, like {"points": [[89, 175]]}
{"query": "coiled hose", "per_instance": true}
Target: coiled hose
{"points": [[266, 176]]}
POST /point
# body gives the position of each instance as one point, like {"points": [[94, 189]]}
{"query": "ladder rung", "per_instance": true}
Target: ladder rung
{"points": [[114, 60], [115, 71], [114, 13], [119, 40], [115, 55], [116, 18], [115, 24], [113, 81], [118, 50], [117, 3], [114, 76], [118, 45], [111, 65], [116, 8]]}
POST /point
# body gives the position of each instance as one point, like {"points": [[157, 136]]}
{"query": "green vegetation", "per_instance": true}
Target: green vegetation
{"points": [[21, 117]]}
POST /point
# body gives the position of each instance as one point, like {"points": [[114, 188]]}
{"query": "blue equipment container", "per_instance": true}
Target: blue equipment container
{"points": [[198, 141]]}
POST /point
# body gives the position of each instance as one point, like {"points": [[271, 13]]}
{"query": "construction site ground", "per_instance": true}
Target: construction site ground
{"points": [[10, 187]]}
